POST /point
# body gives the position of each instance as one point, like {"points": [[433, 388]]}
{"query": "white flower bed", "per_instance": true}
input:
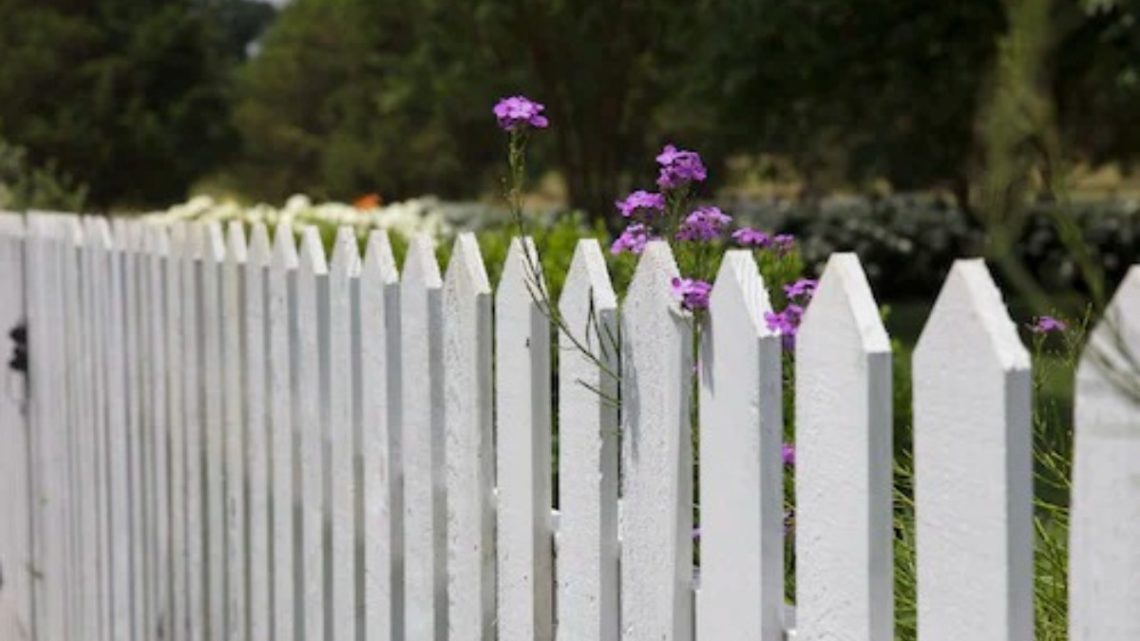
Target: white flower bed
{"points": [[419, 215]]}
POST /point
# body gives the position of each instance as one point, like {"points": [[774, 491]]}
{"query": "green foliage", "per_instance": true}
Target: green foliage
{"points": [[128, 97], [23, 186]]}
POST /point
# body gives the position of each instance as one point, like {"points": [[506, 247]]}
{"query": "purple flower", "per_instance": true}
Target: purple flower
{"points": [[786, 323], [705, 223], [641, 201], [633, 239], [784, 242], [1047, 325], [693, 294], [788, 453], [679, 167], [802, 288], [518, 112], [749, 237]]}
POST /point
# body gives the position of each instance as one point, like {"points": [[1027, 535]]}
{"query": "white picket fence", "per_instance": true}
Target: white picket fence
{"points": [[221, 438]]}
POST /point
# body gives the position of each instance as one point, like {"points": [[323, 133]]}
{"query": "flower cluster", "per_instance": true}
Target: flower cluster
{"points": [[519, 112], [693, 293], [679, 167], [704, 224], [641, 204], [633, 239]]}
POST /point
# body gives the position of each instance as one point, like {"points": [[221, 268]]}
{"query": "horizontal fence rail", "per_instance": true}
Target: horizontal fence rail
{"points": [[218, 434]]}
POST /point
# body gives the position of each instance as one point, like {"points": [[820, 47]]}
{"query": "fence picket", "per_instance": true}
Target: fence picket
{"points": [[741, 594], [214, 428], [312, 307], [1104, 574], [282, 315], [176, 264], [257, 433], [344, 271], [522, 398], [657, 493], [587, 550], [194, 276], [15, 462], [469, 449], [233, 429], [98, 245], [381, 486], [843, 462], [973, 459], [157, 244], [76, 342], [425, 507]]}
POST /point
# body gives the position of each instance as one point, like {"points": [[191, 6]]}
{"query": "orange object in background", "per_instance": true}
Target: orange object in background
{"points": [[368, 201]]}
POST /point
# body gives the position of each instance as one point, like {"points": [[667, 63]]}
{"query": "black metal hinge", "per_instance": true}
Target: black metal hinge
{"points": [[19, 359]]}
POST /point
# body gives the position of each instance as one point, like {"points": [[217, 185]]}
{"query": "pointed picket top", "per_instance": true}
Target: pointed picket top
{"points": [[260, 252], [1104, 562], [236, 246], [844, 293], [518, 278], [160, 240], [739, 290], [587, 560], [843, 461], [378, 258], [466, 274], [656, 524], [420, 266], [971, 302], [741, 474], [588, 277], [72, 229], [214, 243], [346, 253], [99, 232], [311, 256], [973, 466], [651, 286], [285, 248], [11, 223]]}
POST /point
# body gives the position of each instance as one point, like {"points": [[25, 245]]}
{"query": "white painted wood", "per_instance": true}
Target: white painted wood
{"points": [[119, 533], [312, 300], [48, 429], [256, 420], [15, 469], [425, 506], [282, 317], [344, 270], [741, 472], [1104, 566], [233, 402], [469, 450], [176, 264], [213, 384], [587, 561], [656, 523], [378, 391], [522, 399], [844, 462], [194, 276], [126, 238], [98, 264], [81, 384], [973, 476], [66, 396], [160, 572]]}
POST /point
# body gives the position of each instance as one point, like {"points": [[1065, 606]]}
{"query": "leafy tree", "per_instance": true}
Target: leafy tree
{"points": [[128, 96]]}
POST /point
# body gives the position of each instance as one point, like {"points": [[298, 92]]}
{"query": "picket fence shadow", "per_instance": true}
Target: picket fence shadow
{"points": [[232, 438]]}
